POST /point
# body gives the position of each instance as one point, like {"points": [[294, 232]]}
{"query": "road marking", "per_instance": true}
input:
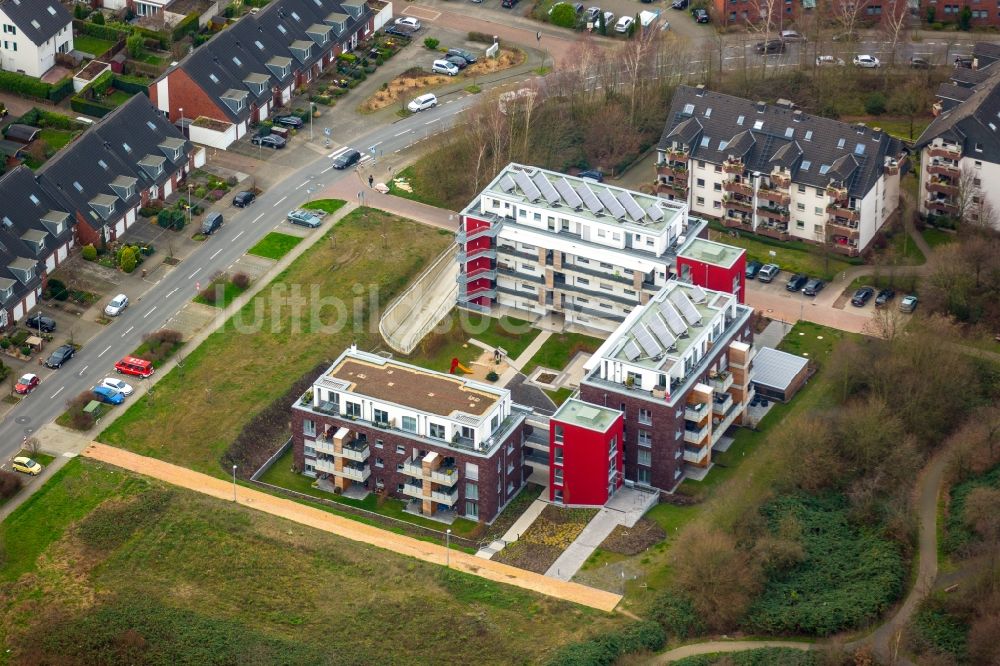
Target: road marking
{"points": [[149, 313], [128, 331], [84, 370], [237, 236], [342, 150], [172, 292], [402, 133], [329, 168], [196, 271], [255, 220], [376, 145], [104, 352], [278, 202], [57, 393], [431, 122], [215, 254], [302, 184]]}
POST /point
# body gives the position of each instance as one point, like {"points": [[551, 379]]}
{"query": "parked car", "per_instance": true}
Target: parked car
{"points": [[508, 3], [770, 46], [468, 55], [289, 121], [753, 267], [400, 30], [592, 174], [680, 4], [107, 395], [964, 61], [908, 303], [117, 304], [346, 159], [118, 385], [813, 287], [422, 103], [60, 356], [591, 14], [26, 384], [268, 141], [796, 282], [884, 296], [37, 322], [792, 36], [862, 296], [132, 365], [919, 63], [244, 199], [768, 272], [624, 23], [409, 22], [700, 16], [305, 218], [829, 60], [211, 223], [609, 18], [457, 61], [866, 61], [444, 67], [26, 465]]}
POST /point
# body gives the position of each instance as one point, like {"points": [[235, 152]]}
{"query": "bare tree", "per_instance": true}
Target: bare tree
{"points": [[970, 200], [847, 14], [895, 20], [32, 446]]}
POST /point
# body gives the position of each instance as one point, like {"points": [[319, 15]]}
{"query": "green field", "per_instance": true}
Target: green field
{"points": [[328, 206], [556, 352], [418, 189], [450, 339], [229, 293], [234, 384], [936, 237], [275, 245], [57, 138], [106, 567]]}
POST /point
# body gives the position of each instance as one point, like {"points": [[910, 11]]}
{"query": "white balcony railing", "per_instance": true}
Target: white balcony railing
{"points": [[721, 407], [442, 497], [354, 452], [695, 413], [695, 436], [721, 382], [413, 468], [696, 457], [413, 490]]}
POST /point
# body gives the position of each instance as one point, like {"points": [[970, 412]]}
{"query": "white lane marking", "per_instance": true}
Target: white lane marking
{"points": [[128, 331], [215, 254], [329, 168], [104, 352], [237, 236], [402, 133], [172, 291], [193, 274], [57, 393], [83, 370], [301, 185], [431, 122], [149, 313], [255, 220], [278, 202]]}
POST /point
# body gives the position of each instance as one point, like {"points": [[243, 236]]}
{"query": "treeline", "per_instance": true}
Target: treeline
{"points": [[965, 283]]}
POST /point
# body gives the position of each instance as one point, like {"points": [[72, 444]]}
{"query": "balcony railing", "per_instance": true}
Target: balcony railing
{"points": [[673, 170], [782, 180], [731, 203], [354, 450], [942, 186], [358, 473], [448, 497], [776, 197], [844, 228], [942, 207], [466, 256], [943, 169], [738, 187], [844, 248], [695, 456], [464, 236], [677, 155], [947, 152], [719, 429], [721, 403], [721, 381], [838, 195], [695, 435], [733, 166], [413, 490], [477, 274], [768, 209], [695, 413]]}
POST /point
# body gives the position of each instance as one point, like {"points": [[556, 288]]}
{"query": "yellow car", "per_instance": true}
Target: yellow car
{"points": [[26, 465]]}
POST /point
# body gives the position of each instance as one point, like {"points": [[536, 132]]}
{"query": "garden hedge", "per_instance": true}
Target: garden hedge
{"points": [[29, 86], [186, 26], [101, 31]]}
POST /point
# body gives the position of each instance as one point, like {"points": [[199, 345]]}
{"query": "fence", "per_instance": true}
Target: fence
{"points": [[273, 459], [396, 324]]}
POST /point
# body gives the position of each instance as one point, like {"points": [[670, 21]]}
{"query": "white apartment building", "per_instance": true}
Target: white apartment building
{"points": [[32, 32], [773, 170], [544, 243]]}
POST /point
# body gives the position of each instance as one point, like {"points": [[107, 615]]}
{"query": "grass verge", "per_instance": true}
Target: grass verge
{"points": [[328, 206], [937, 237], [450, 339], [417, 188], [559, 349], [792, 256], [275, 245]]}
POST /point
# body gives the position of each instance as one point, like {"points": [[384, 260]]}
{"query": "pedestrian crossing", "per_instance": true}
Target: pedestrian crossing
{"points": [[364, 156]]}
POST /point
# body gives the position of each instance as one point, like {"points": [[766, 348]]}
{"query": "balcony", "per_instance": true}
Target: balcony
{"points": [[838, 195], [738, 187], [721, 403], [719, 429], [677, 155], [466, 256], [359, 473], [739, 205], [413, 490], [942, 207], [733, 166], [776, 197], [354, 450], [448, 497], [945, 187], [477, 274], [695, 435], [843, 212], [840, 227], [782, 180], [947, 152], [477, 292], [721, 381], [776, 231], [323, 445], [943, 169], [738, 222], [489, 231], [695, 413], [844, 247], [775, 213], [673, 170], [695, 456], [413, 468]]}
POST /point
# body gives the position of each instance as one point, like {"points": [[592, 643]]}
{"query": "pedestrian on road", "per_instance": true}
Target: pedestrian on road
{"points": [[371, 180]]}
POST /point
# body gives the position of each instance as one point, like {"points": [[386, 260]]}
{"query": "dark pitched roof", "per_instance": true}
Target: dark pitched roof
{"points": [[39, 20], [973, 122], [22, 133], [812, 147], [31, 209]]}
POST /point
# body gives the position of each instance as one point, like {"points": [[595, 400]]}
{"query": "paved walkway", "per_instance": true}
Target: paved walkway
{"points": [[522, 359], [725, 646], [351, 529], [356, 191]]}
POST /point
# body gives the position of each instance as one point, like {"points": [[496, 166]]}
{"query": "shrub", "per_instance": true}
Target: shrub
{"points": [[159, 345], [875, 104], [25, 350], [492, 376], [232, 181], [171, 219], [563, 15], [480, 37], [10, 484], [79, 419], [677, 615], [5, 343], [127, 261], [56, 288], [432, 43], [151, 209], [240, 280], [606, 649], [89, 252], [134, 45], [208, 294], [98, 18]]}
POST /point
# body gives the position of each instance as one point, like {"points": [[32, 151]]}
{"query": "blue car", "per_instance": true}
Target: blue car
{"points": [[108, 396]]}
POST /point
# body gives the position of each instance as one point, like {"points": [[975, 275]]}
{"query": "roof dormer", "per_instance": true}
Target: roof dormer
{"points": [[124, 187], [236, 100], [280, 66], [23, 269], [257, 83], [153, 165], [319, 33], [104, 205], [301, 49], [354, 7], [35, 239], [173, 148], [337, 21], [55, 221]]}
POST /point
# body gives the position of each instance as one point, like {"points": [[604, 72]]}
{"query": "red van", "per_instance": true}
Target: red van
{"points": [[131, 365]]}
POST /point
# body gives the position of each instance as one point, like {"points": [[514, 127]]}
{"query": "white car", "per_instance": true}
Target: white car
{"points": [[117, 304], [609, 18], [624, 23], [791, 36], [409, 22], [428, 101], [444, 67], [866, 61], [117, 385], [827, 60]]}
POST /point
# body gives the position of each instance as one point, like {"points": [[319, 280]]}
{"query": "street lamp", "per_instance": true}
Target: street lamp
{"points": [[312, 110], [189, 204], [234, 484], [447, 548], [181, 109]]}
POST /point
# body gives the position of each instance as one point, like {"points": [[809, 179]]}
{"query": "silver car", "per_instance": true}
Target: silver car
{"points": [[305, 218], [117, 304]]}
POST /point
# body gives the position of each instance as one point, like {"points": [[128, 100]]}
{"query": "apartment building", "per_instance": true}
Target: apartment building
{"points": [[787, 14], [771, 169], [243, 73], [949, 11], [449, 446], [32, 32], [679, 371], [540, 242], [585, 465]]}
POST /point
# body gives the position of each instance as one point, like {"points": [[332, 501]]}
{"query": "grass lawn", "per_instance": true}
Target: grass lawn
{"points": [[907, 252], [560, 395], [792, 257], [408, 175], [95, 46], [234, 384], [275, 245], [328, 206], [229, 292], [56, 139], [559, 349], [42, 459], [117, 97], [936, 237], [106, 567], [451, 339], [900, 127]]}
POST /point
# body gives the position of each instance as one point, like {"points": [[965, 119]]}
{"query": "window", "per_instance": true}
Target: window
{"points": [[558, 475], [605, 286], [583, 281], [645, 458], [437, 431], [800, 224], [700, 182], [353, 409], [645, 416], [409, 424], [700, 201], [471, 491], [471, 509], [716, 204], [818, 229], [309, 428], [643, 475], [818, 210], [800, 206], [400, 449], [802, 189], [613, 446], [717, 187], [537, 217], [559, 434], [645, 438], [381, 416], [379, 462], [558, 455], [379, 444]]}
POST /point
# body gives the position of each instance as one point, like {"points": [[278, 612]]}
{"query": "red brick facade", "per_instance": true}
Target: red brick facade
{"points": [[185, 94]]}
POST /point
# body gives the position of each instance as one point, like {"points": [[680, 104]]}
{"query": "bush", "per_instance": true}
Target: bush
{"points": [[606, 649], [134, 45], [480, 37], [56, 288], [4, 343], [432, 43], [563, 15], [89, 252], [492, 376], [151, 209], [25, 350], [10, 484], [187, 25], [78, 419], [127, 261], [240, 280], [98, 18], [159, 345], [677, 615], [875, 104], [171, 219]]}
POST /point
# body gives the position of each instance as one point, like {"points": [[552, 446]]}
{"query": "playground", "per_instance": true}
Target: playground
{"points": [[488, 361]]}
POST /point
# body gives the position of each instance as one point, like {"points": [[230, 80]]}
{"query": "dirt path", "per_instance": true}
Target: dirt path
{"points": [[350, 529], [726, 646]]}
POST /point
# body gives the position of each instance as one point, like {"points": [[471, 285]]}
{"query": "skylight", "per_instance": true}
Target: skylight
{"points": [[150, 125], [705, 140], [859, 149], [708, 112], [38, 26], [34, 199], [78, 186], [259, 45], [806, 164], [128, 148], [840, 143], [809, 135], [52, 10], [237, 61], [739, 121], [282, 29], [214, 78], [759, 124], [689, 109], [789, 132], [102, 164], [296, 16], [723, 144], [824, 168]]}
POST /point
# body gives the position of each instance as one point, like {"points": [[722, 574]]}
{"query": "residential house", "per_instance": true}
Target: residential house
{"points": [[32, 32], [242, 74], [447, 445], [773, 170]]}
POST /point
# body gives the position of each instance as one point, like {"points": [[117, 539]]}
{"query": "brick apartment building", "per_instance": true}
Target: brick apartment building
{"points": [[949, 11], [773, 170], [446, 444], [787, 14]]}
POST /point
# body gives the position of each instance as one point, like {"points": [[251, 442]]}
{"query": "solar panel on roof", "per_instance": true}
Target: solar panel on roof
{"points": [[647, 341], [528, 187], [633, 209], [659, 329], [698, 294], [655, 213], [687, 308], [569, 195], [589, 198], [674, 320], [506, 184], [545, 187], [609, 201], [632, 350]]}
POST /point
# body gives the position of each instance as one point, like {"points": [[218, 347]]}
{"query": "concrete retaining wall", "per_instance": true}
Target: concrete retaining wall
{"points": [[422, 305]]}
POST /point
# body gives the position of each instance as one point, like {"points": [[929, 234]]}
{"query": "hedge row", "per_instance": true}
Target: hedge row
{"points": [[186, 26], [90, 107], [131, 84], [100, 31], [29, 86], [607, 649]]}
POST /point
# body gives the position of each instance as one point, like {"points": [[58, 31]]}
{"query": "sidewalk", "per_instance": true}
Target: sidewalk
{"points": [[33, 484], [355, 191], [353, 530], [522, 360]]}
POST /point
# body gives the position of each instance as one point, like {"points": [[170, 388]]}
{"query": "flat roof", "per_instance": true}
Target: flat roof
{"points": [[710, 252], [410, 386], [776, 369], [583, 414]]}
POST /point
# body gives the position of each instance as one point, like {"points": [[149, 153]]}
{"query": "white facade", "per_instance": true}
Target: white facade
{"points": [[19, 54], [943, 163]]}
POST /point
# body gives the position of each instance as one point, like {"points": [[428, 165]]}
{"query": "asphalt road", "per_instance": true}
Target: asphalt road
{"points": [[243, 228]]}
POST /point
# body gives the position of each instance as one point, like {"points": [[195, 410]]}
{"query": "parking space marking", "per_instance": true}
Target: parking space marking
{"points": [[104, 352], [57, 393], [422, 13], [149, 313]]}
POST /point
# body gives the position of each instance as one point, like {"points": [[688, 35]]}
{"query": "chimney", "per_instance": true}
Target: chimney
{"points": [[876, 134], [701, 90], [797, 116], [785, 103], [860, 127], [761, 106]]}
